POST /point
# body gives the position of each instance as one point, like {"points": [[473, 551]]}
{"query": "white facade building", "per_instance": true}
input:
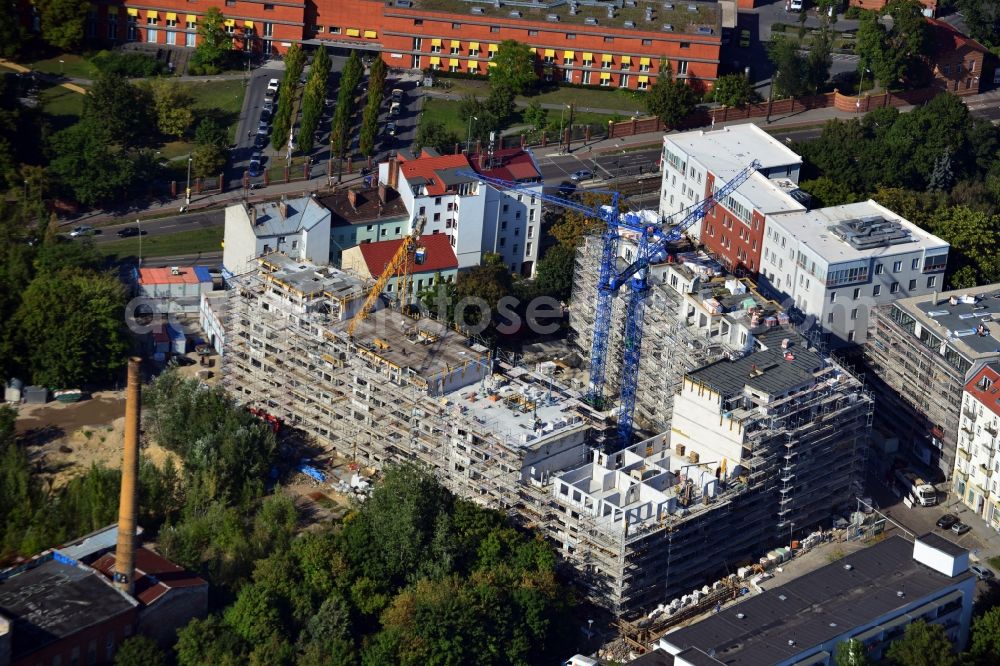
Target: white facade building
{"points": [[977, 464], [837, 263], [298, 228], [478, 218], [700, 158]]}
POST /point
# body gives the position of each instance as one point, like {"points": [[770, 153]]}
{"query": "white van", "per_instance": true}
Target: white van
{"points": [[795, 5], [395, 109]]}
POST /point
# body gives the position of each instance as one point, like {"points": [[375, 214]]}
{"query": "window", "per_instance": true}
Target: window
{"points": [[850, 336], [685, 45], [857, 293], [230, 3], [915, 264], [418, 21], [437, 217], [474, 52], [318, 29], [642, 85], [608, 40], [455, 50], [854, 314], [833, 297], [150, 20], [894, 288], [913, 285], [829, 318], [171, 23], [423, 210], [532, 33], [932, 281], [503, 242], [876, 290], [437, 201], [897, 266], [268, 7], [527, 249], [334, 29], [570, 35], [623, 81], [647, 42], [682, 66], [494, 28], [879, 269], [456, 26]]}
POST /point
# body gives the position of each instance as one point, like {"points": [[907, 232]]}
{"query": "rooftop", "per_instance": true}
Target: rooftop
{"points": [[853, 231], [367, 206], [309, 280], [817, 606], [729, 150], [424, 347], [943, 39], [512, 164], [956, 317], [437, 172], [155, 576], [768, 370], [183, 275], [985, 387], [299, 214], [520, 407], [53, 600], [769, 195], [96, 543], [666, 18], [438, 254]]}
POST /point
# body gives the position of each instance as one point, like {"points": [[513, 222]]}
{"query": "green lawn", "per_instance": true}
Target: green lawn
{"points": [[444, 111], [626, 101], [73, 66], [222, 100], [59, 101], [185, 242]]}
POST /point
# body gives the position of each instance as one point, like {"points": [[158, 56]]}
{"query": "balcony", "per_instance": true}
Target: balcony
{"points": [[991, 428], [970, 414], [964, 454]]}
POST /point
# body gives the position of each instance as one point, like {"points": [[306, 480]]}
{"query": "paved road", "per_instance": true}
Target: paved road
{"points": [[166, 225]]}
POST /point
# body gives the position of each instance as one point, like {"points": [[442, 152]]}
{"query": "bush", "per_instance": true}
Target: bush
{"points": [[129, 65], [853, 12]]}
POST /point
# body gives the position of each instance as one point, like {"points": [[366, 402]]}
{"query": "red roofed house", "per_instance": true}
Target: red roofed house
{"points": [[475, 217], [434, 255], [957, 61], [978, 430]]}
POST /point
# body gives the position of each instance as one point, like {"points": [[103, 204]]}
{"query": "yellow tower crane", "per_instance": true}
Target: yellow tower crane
{"points": [[400, 265]]}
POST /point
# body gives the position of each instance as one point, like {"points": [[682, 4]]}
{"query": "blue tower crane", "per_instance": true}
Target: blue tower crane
{"points": [[652, 245]]}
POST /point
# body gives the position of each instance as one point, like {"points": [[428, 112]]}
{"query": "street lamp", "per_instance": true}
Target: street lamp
{"points": [[468, 137], [187, 190], [138, 226], [861, 84], [62, 68], [562, 115]]}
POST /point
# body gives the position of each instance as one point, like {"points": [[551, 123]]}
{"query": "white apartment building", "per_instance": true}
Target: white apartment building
{"points": [[977, 464], [298, 228], [838, 263], [477, 218], [694, 162]]}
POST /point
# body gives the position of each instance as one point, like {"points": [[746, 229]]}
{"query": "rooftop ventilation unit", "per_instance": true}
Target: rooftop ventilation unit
{"points": [[572, 9], [515, 14], [869, 232], [669, 6], [631, 3], [497, 4], [692, 8], [667, 27], [552, 18], [611, 12], [704, 30], [404, 3], [590, 20], [478, 11], [629, 24]]}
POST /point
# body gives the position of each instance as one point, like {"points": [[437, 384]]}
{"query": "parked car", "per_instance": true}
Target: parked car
{"points": [[261, 141], [128, 232], [744, 38], [82, 230], [960, 528], [255, 168], [272, 85], [268, 106], [397, 94], [263, 127], [795, 5], [395, 109], [981, 572], [946, 521], [582, 174], [390, 129]]}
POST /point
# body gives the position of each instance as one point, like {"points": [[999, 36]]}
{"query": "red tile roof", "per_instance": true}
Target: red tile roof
{"points": [[944, 39], [427, 165], [439, 254], [990, 397], [155, 576], [510, 164]]}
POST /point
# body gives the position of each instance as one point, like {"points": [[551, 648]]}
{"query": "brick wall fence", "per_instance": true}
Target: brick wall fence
{"points": [[836, 99]]}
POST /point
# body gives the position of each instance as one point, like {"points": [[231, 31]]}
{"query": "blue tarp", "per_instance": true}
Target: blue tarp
{"points": [[312, 471], [203, 274]]}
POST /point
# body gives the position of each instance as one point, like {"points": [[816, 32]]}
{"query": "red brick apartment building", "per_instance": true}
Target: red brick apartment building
{"points": [[608, 44], [957, 61]]}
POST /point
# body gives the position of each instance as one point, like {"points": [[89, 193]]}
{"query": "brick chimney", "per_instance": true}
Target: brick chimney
{"points": [[252, 213], [283, 209], [352, 198], [381, 193], [393, 178], [128, 501]]}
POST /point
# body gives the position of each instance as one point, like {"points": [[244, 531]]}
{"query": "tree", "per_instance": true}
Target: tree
{"points": [[941, 177], [12, 34], [851, 653], [983, 19], [974, 236], [554, 274], [536, 116], [208, 160], [88, 165], [791, 71], [140, 651], [819, 61], [668, 99], [733, 90], [209, 641], [573, 226], [828, 192], [126, 110], [892, 53], [172, 104], [209, 132], [254, 616], [62, 22], [515, 67], [500, 104], [922, 644], [69, 328], [432, 134], [985, 646], [214, 43]]}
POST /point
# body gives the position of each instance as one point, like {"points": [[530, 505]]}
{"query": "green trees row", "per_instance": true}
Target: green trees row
{"points": [[369, 121], [891, 43], [797, 74], [313, 100], [937, 166], [415, 576], [925, 644], [288, 94], [343, 114]]}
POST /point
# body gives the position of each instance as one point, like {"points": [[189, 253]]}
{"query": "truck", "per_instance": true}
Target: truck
{"points": [[919, 490]]}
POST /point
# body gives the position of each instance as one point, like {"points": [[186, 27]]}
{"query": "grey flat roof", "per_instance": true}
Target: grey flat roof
{"points": [[817, 607], [942, 544], [776, 375], [958, 323], [729, 150], [54, 600], [655, 658], [303, 213]]}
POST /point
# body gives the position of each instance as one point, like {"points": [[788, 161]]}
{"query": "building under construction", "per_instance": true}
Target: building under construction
{"points": [[762, 449]]}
